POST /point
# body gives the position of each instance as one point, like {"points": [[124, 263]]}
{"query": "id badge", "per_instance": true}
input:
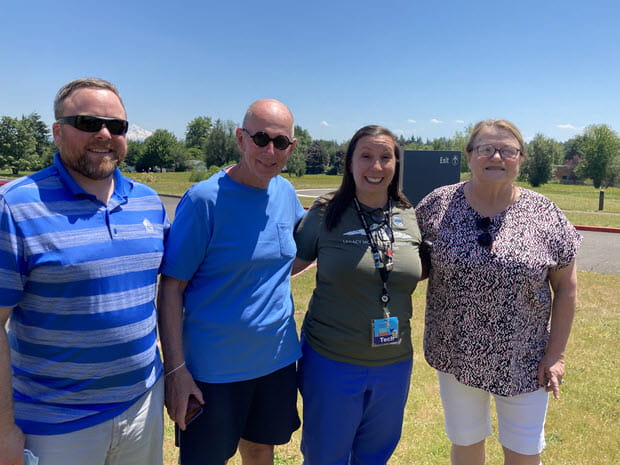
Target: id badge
{"points": [[385, 332]]}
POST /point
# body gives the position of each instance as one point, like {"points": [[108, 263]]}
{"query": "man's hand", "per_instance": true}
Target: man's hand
{"points": [[12, 446], [179, 387]]}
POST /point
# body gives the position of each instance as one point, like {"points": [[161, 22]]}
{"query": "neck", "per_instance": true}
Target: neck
{"points": [[490, 199], [373, 200], [100, 188], [239, 174]]}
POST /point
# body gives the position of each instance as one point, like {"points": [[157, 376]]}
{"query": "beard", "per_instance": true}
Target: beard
{"points": [[93, 166]]}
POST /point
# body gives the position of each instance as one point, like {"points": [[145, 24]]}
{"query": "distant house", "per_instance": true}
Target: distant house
{"points": [[566, 172]]}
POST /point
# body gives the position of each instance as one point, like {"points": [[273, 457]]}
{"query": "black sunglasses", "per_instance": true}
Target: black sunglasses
{"points": [[262, 139], [378, 215], [484, 238], [88, 123]]}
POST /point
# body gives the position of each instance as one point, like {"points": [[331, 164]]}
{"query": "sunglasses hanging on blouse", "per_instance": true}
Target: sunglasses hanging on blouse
{"points": [[484, 238]]}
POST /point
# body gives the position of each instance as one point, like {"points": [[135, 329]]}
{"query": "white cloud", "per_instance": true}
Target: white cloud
{"points": [[324, 123], [460, 121], [411, 121], [565, 126], [436, 121]]}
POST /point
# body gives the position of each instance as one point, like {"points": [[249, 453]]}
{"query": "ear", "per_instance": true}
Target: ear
{"points": [[469, 155], [239, 138], [57, 133], [293, 145]]}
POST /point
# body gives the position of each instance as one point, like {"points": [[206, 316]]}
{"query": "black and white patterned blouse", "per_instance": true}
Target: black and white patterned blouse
{"points": [[488, 308]]}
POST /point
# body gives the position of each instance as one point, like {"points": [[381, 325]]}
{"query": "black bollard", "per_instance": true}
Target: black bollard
{"points": [[601, 199]]}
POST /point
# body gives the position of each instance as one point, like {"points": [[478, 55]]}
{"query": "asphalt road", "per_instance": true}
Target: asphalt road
{"points": [[600, 251]]}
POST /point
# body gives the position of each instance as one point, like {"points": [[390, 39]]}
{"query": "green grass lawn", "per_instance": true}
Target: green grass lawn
{"points": [[583, 426], [178, 183]]}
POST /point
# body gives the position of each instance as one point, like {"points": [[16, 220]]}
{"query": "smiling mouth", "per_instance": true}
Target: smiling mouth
{"points": [[267, 164], [373, 180]]}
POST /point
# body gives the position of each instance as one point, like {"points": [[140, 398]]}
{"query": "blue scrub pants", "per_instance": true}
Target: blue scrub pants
{"points": [[352, 414]]}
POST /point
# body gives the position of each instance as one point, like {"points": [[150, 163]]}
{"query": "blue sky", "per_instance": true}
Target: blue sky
{"points": [[423, 68]]}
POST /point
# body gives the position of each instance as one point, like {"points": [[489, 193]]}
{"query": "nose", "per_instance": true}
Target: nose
{"points": [[103, 132], [496, 152], [270, 148]]}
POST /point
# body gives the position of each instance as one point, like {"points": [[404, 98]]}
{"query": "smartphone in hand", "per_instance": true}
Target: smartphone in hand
{"points": [[194, 409]]}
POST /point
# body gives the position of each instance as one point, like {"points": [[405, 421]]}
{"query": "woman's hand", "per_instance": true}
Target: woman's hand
{"points": [[551, 374]]}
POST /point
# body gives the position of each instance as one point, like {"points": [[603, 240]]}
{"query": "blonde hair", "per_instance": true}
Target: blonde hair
{"points": [[497, 124]]}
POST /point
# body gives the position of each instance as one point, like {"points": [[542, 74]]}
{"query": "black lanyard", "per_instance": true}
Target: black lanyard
{"points": [[383, 261]]}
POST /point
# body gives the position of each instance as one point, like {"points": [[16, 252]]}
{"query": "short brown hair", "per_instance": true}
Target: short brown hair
{"points": [[82, 83]]}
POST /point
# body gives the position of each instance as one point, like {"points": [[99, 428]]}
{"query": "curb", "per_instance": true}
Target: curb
{"points": [[597, 228]]}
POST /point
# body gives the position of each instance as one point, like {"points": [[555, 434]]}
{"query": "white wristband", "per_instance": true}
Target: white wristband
{"points": [[175, 369]]}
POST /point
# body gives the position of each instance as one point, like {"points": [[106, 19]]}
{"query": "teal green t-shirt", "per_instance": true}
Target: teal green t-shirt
{"points": [[348, 286]]}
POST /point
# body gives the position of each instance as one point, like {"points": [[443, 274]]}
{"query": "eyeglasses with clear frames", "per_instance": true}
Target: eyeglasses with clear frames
{"points": [[488, 150]]}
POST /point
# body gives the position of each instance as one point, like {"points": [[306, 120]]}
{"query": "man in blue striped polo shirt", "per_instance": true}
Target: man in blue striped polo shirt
{"points": [[80, 250]]}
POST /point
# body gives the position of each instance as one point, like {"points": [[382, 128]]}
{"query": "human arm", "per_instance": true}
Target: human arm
{"points": [[306, 239], [11, 437], [422, 213], [425, 258], [300, 265], [551, 368], [178, 380]]}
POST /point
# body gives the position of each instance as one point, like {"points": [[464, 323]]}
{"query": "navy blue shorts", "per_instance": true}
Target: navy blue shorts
{"points": [[261, 410]]}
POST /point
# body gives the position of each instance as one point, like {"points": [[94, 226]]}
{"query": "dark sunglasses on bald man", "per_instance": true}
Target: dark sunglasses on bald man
{"points": [[262, 139], [88, 123]]}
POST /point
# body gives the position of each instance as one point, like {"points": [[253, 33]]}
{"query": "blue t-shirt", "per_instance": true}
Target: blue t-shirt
{"points": [[81, 278], [234, 244]]}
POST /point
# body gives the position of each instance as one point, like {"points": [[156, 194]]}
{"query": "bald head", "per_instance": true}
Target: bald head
{"points": [[266, 111]]}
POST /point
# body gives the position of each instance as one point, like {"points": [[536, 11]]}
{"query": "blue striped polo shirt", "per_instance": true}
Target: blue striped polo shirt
{"points": [[81, 279]]}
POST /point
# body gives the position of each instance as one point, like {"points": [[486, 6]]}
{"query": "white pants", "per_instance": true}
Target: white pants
{"points": [[134, 437], [520, 418]]}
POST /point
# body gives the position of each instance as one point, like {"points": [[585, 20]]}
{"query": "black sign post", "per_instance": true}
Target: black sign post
{"points": [[424, 170]]}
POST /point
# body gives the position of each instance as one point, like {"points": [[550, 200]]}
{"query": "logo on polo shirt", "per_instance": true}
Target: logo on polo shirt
{"points": [[148, 226]]}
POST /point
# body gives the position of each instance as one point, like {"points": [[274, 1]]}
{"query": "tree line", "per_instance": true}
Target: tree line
{"points": [[210, 144], [24, 143]]}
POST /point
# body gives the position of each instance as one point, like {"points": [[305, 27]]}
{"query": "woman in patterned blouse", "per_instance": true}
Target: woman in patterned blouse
{"points": [[493, 326]]}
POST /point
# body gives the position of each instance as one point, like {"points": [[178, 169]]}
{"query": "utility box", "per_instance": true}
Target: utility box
{"points": [[421, 171]]}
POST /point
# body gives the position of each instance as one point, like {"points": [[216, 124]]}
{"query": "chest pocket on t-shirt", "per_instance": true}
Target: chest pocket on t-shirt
{"points": [[287, 243]]}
